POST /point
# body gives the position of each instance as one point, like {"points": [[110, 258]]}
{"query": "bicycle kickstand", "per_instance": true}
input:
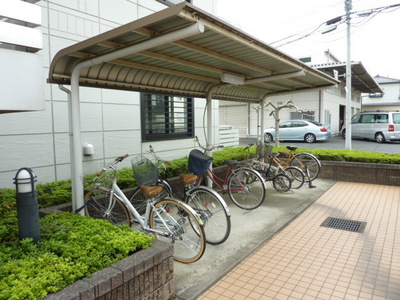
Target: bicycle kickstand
{"points": [[310, 185]]}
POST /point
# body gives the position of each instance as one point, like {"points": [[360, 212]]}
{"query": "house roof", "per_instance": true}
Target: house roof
{"points": [[385, 80], [187, 66], [361, 80], [382, 104]]}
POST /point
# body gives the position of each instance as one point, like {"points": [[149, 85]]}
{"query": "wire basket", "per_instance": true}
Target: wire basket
{"points": [[145, 172], [91, 179], [264, 150]]}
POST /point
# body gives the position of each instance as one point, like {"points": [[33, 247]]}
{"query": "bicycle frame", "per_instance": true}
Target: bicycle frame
{"points": [[221, 183], [143, 221]]}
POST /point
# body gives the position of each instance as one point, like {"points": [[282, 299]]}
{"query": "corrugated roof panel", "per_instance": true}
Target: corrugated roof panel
{"points": [[186, 66]]}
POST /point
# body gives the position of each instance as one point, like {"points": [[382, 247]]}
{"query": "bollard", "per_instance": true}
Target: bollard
{"points": [[27, 204]]}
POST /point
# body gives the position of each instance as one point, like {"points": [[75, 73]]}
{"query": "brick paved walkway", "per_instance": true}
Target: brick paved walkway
{"points": [[307, 261]]}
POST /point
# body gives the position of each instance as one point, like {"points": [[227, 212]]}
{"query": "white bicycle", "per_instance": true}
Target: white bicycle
{"points": [[167, 218]]}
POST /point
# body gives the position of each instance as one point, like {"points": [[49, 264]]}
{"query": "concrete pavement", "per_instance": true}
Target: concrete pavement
{"points": [[250, 229]]}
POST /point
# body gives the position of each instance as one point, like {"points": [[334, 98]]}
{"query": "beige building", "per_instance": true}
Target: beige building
{"points": [[388, 100]]}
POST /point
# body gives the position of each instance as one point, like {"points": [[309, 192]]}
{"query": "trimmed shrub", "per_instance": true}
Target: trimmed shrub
{"points": [[71, 247]]}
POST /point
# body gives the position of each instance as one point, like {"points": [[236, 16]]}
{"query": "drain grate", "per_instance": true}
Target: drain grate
{"points": [[348, 225]]}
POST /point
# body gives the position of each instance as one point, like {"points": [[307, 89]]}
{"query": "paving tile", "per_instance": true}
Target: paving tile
{"points": [[307, 261]]}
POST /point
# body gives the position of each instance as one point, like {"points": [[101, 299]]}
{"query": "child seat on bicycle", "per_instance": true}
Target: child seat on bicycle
{"points": [[199, 162]]}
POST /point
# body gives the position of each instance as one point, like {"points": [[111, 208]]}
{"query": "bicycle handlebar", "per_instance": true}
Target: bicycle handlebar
{"points": [[153, 153], [110, 165]]}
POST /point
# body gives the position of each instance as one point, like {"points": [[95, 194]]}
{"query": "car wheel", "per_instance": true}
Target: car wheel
{"points": [[379, 137], [309, 138], [268, 138], [344, 133]]}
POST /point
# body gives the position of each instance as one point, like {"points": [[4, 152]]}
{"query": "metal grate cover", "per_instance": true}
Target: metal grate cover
{"points": [[348, 225]]}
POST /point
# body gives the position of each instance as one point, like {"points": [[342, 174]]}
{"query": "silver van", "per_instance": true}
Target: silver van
{"points": [[380, 126]]}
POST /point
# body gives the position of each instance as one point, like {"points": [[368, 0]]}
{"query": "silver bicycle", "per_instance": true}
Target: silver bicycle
{"points": [[207, 203], [167, 218]]}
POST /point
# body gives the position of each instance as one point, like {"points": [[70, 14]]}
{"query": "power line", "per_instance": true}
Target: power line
{"points": [[339, 20]]}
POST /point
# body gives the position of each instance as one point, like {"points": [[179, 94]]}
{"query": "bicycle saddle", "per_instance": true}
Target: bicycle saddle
{"points": [[188, 179], [292, 148], [151, 191], [231, 162]]}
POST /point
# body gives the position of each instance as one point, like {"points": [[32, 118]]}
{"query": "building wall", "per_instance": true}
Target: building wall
{"points": [[389, 101], [325, 104], [110, 119]]}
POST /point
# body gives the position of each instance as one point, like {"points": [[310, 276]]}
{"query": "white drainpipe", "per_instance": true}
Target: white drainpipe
{"points": [[76, 154]]}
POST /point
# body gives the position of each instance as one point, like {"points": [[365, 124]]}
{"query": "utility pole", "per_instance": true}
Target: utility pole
{"points": [[348, 7]]}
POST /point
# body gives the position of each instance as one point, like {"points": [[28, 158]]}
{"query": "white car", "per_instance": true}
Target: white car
{"points": [[299, 130]]}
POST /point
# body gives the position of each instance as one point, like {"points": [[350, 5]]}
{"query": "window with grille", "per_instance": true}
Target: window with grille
{"points": [[166, 117], [308, 115]]}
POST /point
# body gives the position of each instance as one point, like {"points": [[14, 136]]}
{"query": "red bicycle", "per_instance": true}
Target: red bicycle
{"points": [[245, 186]]}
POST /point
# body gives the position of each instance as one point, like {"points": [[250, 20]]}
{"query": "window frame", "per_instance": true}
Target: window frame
{"points": [[166, 111]]}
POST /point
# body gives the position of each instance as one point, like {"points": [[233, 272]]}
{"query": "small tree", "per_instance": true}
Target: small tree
{"points": [[275, 113]]}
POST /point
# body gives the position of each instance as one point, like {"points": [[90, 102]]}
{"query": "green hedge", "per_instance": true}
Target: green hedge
{"points": [[59, 192], [71, 247]]}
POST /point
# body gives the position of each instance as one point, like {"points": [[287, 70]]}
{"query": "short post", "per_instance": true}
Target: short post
{"points": [[27, 204]]}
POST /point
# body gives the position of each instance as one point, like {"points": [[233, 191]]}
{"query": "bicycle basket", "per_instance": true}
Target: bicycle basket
{"points": [[145, 172], [264, 150], [199, 162]]}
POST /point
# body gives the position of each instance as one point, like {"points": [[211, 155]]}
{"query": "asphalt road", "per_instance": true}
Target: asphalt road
{"points": [[337, 142]]}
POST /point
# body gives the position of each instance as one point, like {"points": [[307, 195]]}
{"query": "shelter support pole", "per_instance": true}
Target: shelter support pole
{"points": [[261, 132], [76, 153], [71, 142], [210, 129]]}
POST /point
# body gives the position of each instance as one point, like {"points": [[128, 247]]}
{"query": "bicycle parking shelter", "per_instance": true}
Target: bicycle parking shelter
{"points": [[181, 51]]}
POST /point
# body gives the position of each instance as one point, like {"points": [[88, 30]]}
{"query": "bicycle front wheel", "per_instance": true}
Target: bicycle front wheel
{"points": [[308, 163], [281, 183], [213, 210], [296, 177], [177, 223], [245, 192], [102, 204]]}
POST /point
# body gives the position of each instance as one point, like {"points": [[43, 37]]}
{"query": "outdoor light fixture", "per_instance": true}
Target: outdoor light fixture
{"points": [[232, 79], [88, 149], [27, 204]]}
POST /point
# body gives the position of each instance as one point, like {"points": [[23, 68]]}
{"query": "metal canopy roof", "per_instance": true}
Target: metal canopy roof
{"points": [[360, 78], [188, 66]]}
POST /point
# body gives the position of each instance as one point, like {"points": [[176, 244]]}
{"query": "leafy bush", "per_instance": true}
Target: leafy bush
{"points": [[59, 192], [71, 247]]}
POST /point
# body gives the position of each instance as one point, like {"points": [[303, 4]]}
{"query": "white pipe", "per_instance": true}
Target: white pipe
{"points": [[76, 154], [71, 143]]}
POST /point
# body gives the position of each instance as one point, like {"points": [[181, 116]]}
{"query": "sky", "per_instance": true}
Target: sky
{"points": [[374, 40]]}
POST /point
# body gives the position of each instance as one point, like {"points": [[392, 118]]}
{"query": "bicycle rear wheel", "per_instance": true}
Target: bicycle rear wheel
{"points": [[102, 204], [213, 210], [244, 191], [296, 177], [281, 183], [180, 225], [308, 163]]}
